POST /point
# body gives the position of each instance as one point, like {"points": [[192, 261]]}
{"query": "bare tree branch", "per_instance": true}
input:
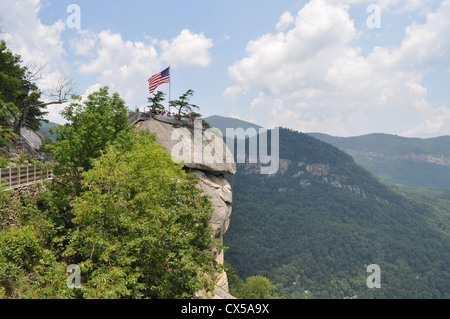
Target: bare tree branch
{"points": [[35, 72], [61, 91]]}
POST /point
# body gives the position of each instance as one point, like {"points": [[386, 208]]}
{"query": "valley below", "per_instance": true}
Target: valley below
{"points": [[315, 226]]}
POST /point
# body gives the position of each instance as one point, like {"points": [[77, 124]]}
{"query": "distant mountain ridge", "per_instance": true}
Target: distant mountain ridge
{"points": [[410, 162], [46, 126], [222, 123], [391, 145]]}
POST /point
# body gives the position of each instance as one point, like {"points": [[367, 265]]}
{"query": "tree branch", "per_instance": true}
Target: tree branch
{"points": [[34, 72], [61, 92]]}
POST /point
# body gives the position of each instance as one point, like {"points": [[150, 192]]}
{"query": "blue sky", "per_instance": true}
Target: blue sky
{"points": [[313, 66]]}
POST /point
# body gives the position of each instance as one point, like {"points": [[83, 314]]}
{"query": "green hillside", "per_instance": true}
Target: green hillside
{"points": [[411, 162], [313, 228]]}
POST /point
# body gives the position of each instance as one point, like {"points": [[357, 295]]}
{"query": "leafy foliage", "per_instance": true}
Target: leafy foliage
{"points": [[255, 287], [11, 75], [143, 225], [135, 222], [183, 106], [29, 240], [92, 123], [20, 98], [155, 101]]}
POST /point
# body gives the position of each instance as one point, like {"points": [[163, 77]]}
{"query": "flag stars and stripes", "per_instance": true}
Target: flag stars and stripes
{"points": [[158, 79]]}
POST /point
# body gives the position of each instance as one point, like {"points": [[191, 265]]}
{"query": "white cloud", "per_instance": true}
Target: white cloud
{"points": [[279, 61], [285, 22], [187, 49], [28, 37], [233, 92], [125, 65], [104, 57], [312, 77], [117, 57], [84, 44]]}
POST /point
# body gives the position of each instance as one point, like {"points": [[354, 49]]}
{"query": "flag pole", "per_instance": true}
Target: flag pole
{"points": [[170, 80]]}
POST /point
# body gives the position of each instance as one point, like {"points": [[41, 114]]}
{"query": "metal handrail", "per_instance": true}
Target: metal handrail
{"points": [[15, 177]]}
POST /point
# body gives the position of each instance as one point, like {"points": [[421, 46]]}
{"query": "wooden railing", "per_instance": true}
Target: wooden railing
{"points": [[15, 177]]}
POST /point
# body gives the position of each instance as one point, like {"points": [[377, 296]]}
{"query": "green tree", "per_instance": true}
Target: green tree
{"points": [[142, 226], [155, 101], [255, 287], [28, 259], [91, 125], [10, 79], [258, 287], [182, 104], [20, 98]]}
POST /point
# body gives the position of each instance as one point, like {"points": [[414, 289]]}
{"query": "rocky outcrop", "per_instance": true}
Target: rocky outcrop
{"points": [[218, 188], [305, 173], [34, 138], [192, 146], [211, 176]]}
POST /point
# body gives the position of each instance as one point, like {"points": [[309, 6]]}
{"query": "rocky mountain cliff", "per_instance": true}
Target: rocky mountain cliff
{"points": [[305, 173], [211, 178]]}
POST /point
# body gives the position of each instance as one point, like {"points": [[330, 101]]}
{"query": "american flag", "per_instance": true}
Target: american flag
{"points": [[158, 79]]}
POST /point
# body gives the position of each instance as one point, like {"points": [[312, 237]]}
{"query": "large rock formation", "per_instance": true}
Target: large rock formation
{"points": [[34, 138], [194, 143]]}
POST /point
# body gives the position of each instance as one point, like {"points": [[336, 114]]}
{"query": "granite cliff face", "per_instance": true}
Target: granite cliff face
{"points": [[305, 173], [210, 174]]}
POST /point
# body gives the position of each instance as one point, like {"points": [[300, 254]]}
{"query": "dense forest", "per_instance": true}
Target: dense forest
{"points": [[119, 208], [314, 234]]}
